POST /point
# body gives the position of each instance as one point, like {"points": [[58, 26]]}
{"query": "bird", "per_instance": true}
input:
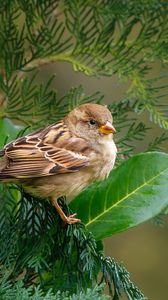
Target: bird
{"points": [[64, 158]]}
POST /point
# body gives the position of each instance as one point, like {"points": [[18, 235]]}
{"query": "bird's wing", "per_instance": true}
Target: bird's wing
{"points": [[46, 152]]}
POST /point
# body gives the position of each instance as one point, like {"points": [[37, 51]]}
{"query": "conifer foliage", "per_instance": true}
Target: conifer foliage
{"points": [[40, 258]]}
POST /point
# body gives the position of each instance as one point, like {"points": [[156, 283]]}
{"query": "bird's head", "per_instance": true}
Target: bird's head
{"points": [[91, 122]]}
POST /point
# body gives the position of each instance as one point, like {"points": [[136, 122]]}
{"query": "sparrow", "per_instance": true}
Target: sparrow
{"points": [[63, 158]]}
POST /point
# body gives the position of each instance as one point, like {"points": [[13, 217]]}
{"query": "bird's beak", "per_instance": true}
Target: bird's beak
{"points": [[107, 128]]}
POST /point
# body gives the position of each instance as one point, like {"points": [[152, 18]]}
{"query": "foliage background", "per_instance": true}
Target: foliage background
{"points": [[129, 57]]}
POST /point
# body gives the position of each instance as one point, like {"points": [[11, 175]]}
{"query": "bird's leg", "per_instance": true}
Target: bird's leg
{"points": [[70, 219]]}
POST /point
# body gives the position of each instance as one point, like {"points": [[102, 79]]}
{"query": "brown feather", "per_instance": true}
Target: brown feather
{"points": [[37, 155]]}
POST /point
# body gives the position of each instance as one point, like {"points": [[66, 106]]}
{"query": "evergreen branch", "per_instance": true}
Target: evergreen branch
{"points": [[58, 252], [124, 119], [7, 235], [146, 94], [135, 132], [78, 65], [158, 114], [112, 271], [19, 292], [97, 48], [39, 99], [158, 141]]}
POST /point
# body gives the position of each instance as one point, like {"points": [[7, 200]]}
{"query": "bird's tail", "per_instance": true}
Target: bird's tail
{"points": [[2, 152], [1, 172], [2, 165], [3, 176]]}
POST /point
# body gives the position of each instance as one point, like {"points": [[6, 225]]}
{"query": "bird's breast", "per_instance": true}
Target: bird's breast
{"points": [[104, 159]]}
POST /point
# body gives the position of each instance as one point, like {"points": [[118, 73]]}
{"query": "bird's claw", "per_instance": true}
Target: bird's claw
{"points": [[71, 220]]}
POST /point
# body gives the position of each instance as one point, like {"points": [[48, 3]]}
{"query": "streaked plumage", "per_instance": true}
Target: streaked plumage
{"points": [[64, 158]]}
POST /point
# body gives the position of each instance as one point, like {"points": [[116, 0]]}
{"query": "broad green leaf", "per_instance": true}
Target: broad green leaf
{"points": [[8, 131], [134, 192]]}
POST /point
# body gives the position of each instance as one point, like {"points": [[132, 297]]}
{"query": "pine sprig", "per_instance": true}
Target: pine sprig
{"points": [[156, 144], [146, 93], [7, 227], [58, 251], [124, 113], [12, 41], [116, 273], [97, 49], [83, 33], [27, 97], [18, 291]]}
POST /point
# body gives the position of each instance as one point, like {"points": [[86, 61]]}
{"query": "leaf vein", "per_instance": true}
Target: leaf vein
{"points": [[128, 195]]}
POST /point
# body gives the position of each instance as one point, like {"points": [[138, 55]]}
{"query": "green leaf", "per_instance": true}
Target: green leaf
{"points": [[134, 192], [8, 131]]}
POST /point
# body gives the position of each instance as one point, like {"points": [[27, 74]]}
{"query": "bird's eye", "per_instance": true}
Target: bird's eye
{"points": [[92, 122]]}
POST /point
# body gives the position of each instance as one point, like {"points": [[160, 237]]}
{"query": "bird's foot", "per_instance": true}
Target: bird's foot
{"points": [[71, 219], [66, 219]]}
